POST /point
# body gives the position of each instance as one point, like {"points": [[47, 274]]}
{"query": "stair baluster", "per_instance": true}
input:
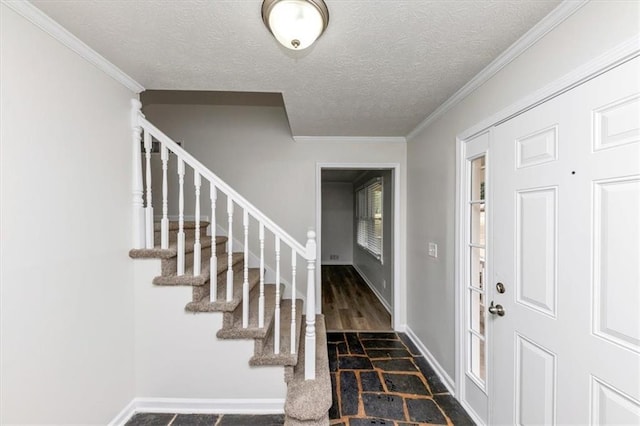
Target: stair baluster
{"points": [[276, 324], [261, 298], [310, 333], [230, 250], [245, 280], [213, 262], [294, 257], [149, 208], [181, 248], [197, 246], [164, 222], [136, 182]]}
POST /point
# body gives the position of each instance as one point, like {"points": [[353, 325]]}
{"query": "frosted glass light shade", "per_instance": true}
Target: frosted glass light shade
{"points": [[296, 24]]}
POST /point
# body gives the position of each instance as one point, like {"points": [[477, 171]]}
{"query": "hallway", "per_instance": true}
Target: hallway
{"points": [[349, 304]]}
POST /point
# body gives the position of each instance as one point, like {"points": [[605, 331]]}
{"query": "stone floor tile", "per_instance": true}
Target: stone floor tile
{"points": [[371, 422], [410, 345], [435, 384], [388, 353], [257, 420], [382, 344], [342, 348], [425, 411], [405, 383], [370, 381], [150, 419], [355, 347], [335, 337], [354, 363], [453, 410], [195, 420], [374, 335], [332, 352], [334, 411], [395, 364], [383, 405], [348, 393]]}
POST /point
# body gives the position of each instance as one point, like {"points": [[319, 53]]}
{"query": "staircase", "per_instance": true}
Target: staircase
{"points": [[224, 282]]}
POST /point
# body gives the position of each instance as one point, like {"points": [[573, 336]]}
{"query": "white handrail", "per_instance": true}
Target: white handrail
{"points": [[222, 186]]}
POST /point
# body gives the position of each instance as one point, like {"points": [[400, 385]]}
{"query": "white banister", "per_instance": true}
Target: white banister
{"points": [[294, 257], [310, 333], [213, 262], [230, 250], [245, 280], [276, 324], [149, 208], [197, 246], [136, 181], [261, 297], [180, 217], [164, 222]]}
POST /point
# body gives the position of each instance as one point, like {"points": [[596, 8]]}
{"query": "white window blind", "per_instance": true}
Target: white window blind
{"points": [[369, 217]]}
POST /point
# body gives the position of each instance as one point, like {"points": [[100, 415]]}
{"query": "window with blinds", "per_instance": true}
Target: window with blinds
{"points": [[369, 217]]}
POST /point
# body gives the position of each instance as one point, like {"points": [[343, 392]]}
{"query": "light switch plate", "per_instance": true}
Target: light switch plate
{"points": [[433, 250]]}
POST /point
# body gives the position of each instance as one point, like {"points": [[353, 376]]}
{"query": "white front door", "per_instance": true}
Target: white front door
{"points": [[566, 246]]}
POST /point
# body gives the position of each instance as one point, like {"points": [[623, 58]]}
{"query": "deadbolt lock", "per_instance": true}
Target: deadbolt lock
{"points": [[500, 288]]}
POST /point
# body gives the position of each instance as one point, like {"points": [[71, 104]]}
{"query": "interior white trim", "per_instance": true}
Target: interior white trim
{"points": [[446, 379], [399, 286], [350, 139], [199, 406], [55, 30], [373, 289], [548, 23]]}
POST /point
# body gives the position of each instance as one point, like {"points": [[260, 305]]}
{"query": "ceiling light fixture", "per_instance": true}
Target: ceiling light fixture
{"points": [[296, 24]]}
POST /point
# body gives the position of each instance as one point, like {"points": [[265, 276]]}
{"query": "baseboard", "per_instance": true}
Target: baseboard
{"points": [[199, 406], [375, 290], [446, 379], [471, 412], [336, 263]]}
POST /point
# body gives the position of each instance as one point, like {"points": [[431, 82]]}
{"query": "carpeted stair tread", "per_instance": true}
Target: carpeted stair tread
{"points": [[232, 323], [221, 304], [172, 251], [189, 279], [285, 357], [308, 401], [175, 225]]}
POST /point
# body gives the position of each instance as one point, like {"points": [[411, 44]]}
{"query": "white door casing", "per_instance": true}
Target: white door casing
{"points": [[566, 204]]}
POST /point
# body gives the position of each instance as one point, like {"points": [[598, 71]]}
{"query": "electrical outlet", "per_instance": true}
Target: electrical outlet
{"points": [[334, 257], [433, 250]]}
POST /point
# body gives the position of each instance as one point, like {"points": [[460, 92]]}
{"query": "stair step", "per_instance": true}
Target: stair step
{"points": [[172, 251], [308, 401], [198, 280], [264, 351], [232, 321], [202, 303], [175, 225]]}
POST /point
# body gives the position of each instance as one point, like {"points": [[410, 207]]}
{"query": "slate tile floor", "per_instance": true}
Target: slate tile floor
{"points": [[382, 379], [163, 419]]}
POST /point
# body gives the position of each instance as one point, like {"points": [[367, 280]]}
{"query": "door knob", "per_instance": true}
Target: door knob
{"points": [[496, 310]]}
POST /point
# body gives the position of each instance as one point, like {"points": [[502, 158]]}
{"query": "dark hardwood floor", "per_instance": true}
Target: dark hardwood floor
{"points": [[349, 304]]}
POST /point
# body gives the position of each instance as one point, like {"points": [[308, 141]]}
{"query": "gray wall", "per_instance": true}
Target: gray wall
{"points": [[337, 223], [592, 30], [67, 315], [378, 275]]}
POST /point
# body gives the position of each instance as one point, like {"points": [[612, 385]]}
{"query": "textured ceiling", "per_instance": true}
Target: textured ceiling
{"points": [[381, 67]]}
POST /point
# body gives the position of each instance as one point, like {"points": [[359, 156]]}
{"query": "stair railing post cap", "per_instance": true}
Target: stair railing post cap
{"points": [[311, 234]]}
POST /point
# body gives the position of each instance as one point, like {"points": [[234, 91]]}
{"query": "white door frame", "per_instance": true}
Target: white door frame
{"points": [[625, 51], [399, 302]]}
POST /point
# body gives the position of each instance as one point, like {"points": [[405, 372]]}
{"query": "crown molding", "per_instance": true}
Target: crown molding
{"points": [[350, 139], [58, 32], [548, 23]]}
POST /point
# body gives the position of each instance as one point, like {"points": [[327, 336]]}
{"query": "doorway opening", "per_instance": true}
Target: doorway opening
{"points": [[356, 233]]}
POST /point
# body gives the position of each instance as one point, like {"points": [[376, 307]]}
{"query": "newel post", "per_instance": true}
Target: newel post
{"points": [[136, 182], [310, 333]]}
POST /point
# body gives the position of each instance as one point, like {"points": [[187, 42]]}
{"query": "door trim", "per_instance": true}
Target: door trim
{"points": [[398, 320], [618, 55]]}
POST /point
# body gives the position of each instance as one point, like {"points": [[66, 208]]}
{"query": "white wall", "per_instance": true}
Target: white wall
{"points": [[66, 280], [337, 223], [596, 27], [378, 275]]}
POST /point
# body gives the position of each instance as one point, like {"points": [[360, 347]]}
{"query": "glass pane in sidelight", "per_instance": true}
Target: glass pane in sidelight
{"points": [[477, 361], [477, 312], [478, 275], [477, 228], [478, 179]]}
